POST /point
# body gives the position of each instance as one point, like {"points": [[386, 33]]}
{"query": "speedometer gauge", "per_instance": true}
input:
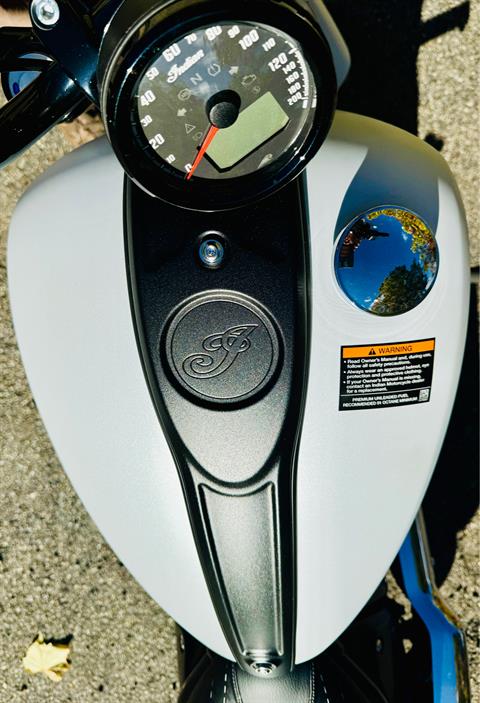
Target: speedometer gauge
{"points": [[248, 84], [209, 105]]}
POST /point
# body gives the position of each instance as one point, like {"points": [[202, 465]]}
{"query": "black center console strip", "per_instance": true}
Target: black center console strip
{"points": [[225, 351]]}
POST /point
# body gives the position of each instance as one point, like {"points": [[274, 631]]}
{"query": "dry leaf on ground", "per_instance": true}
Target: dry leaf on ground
{"points": [[48, 659]]}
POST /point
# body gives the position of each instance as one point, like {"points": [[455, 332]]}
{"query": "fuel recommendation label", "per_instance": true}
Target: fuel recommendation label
{"points": [[386, 375]]}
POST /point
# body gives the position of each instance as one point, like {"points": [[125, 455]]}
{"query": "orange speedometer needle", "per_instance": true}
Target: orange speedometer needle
{"points": [[205, 144]]}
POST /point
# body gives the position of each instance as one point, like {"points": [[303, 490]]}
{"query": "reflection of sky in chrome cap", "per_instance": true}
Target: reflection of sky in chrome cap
{"points": [[386, 260]]}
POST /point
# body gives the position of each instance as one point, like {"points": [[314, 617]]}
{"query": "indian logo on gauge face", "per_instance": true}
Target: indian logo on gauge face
{"points": [[222, 348]]}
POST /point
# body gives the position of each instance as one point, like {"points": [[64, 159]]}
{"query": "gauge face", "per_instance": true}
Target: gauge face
{"points": [[209, 111], [225, 101]]}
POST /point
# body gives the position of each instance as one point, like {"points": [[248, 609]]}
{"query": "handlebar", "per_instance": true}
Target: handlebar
{"points": [[51, 98], [48, 100]]}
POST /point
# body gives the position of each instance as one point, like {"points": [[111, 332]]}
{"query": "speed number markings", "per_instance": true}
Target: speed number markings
{"points": [[256, 69]]}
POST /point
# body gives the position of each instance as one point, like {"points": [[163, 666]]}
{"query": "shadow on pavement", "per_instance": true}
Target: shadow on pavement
{"points": [[384, 39], [452, 497]]}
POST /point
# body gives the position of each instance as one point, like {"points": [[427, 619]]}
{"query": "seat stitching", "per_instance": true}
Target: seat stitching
{"points": [[312, 683], [225, 681], [325, 688], [236, 687], [211, 688]]}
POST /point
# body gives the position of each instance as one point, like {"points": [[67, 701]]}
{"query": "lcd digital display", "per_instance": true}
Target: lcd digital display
{"points": [[255, 125]]}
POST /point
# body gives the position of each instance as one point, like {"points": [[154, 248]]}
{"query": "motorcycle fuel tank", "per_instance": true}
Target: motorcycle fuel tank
{"points": [[382, 378]]}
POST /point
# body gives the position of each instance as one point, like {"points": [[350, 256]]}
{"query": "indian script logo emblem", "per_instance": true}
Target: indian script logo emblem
{"points": [[221, 351]]}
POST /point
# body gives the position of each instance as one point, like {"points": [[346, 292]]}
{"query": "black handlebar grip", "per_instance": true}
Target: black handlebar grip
{"points": [[48, 100]]}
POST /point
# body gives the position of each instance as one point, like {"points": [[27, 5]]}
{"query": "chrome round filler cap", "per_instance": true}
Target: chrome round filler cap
{"points": [[386, 260]]}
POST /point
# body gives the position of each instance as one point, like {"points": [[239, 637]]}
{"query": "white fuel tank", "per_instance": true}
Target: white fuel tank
{"points": [[363, 465]]}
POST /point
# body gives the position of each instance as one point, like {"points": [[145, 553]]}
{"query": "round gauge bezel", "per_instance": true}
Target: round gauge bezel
{"points": [[134, 52]]}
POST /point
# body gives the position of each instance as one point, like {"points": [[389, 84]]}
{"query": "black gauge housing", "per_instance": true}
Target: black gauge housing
{"points": [[140, 30]]}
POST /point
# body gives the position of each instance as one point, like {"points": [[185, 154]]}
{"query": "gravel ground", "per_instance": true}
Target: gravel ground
{"points": [[449, 104], [57, 574]]}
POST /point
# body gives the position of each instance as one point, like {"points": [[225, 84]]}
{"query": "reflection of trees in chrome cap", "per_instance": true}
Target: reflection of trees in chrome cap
{"points": [[402, 290], [360, 231], [387, 255], [423, 242]]}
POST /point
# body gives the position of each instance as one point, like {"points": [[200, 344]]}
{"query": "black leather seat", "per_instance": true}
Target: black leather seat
{"points": [[331, 678]]}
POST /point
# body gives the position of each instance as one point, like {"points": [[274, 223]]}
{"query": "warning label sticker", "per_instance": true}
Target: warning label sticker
{"points": [[385, 375]]}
